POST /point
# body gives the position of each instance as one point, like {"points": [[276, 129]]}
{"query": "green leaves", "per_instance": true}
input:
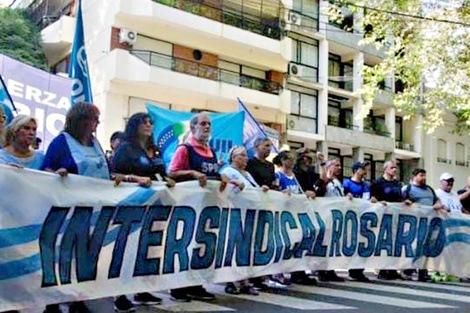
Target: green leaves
{"points": [[21, 38]]}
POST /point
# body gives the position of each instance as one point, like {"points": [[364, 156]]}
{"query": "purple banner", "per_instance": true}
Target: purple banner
{"points": [[38, 93]]}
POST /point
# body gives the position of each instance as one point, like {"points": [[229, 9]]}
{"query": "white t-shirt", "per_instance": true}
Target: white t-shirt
{"points": [[244, 177], [450, 201]]}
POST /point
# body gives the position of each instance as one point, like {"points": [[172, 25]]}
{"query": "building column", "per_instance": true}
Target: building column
{"points": [[358, 119], [323, 21], [358, 154], [323, 80], [389, 156], [390, 121]]}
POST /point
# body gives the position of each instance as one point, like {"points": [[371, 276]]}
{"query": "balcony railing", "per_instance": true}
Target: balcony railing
{"points": [[334, 121], [235, 13], [46, 12], [297, 20], [377, 132], [346, 85], [443, 160], [404, 146], [461, 163], [206, 71]]}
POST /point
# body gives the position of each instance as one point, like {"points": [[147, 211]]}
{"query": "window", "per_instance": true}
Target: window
{"points": [[306, 54], [334, 70], [442, 151], [340, 75], [399, 128], [338, 116], [304, 106], [307, 7], [460, 154]]}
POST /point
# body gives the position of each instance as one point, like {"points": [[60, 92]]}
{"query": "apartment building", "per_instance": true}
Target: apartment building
{"points": [[296, 71]]}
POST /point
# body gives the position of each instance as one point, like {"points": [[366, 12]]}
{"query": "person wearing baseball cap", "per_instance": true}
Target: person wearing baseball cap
{"points": [[449, 199]]}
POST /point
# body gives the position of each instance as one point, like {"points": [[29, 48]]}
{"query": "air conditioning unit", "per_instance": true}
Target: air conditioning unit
{"points": [[295, 70], [294, 18], [127, 36]]}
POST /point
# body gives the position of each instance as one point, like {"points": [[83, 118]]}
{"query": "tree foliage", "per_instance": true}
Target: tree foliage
{"points": [[427, 50], [21, 38]]}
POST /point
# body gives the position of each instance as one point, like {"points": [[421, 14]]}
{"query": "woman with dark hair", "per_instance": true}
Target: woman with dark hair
{"points": [[138, 154], [139, 160]]}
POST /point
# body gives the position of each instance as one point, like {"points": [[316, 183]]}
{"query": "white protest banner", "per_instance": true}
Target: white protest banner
{"points": [[78, 238]]}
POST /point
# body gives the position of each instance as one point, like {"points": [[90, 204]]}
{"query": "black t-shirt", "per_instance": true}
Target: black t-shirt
{"points": [[262, 172], [307, 178], [132, 159], [387, 190], [466, 202]]}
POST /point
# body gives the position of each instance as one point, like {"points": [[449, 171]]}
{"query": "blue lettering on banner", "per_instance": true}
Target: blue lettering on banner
{"points": [[263, 257], [385, 238], [239, 238], [175, 246], [204, 260], [254, 237], [148, 238], [368, 218], [350, 218]]}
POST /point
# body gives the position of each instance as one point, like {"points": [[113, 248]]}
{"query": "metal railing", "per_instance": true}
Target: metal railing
{"points": [[404, 146], [461, 163], [46, 12], [206, 71], [267, 23], [297, 20], [443, 160], [346, 85], [377, 132]]}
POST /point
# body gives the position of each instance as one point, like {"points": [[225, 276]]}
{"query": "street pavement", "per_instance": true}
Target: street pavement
{"points": [[378, 296]]}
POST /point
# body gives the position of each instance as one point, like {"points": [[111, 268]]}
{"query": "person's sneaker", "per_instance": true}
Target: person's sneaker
{"points": [[280, 278], [78, 307], [388, 275], [123, 305], [271, 283], [179, 296], [329, 276], [406, 276], [52, 308], [336, 278], [199, 293], [301, 278], [451, 278], [360, 278], [249, 290], [230, 288], [146, 298]]}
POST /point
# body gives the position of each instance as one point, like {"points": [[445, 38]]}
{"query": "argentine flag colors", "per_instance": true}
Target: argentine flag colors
{"points": [[6, 101], [79, 72]]}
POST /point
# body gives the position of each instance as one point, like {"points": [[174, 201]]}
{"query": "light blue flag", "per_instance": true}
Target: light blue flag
{"points": [[81, 86], [6, 101], [171, 127], [251, 130]]}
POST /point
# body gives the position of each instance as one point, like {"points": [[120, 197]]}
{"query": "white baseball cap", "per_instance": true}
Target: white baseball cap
{"points": [[446, 176]]}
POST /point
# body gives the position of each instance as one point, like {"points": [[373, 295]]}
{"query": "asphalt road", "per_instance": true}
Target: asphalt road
{"points": [[378, 296]]}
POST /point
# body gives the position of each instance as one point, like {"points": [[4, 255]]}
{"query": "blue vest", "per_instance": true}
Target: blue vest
{"points": [[208, 166]]}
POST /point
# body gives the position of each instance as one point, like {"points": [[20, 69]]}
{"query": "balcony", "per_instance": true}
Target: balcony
{"points": [[377, 132], [461, 163], [354, 138], [404, 146], [207, 72], [297, 22], [235, 13], [46, 12], [444, 160]]}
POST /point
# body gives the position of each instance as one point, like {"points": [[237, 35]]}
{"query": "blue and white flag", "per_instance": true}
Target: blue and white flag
{"points": [[81, 86], [251, 129], [6, 101], [172, 127]]}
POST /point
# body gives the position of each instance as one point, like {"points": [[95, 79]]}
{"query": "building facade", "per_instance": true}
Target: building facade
{"points": [[296, 71]]}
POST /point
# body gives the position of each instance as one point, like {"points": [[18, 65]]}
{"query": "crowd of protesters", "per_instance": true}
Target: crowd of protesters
{"points": [[135, 158]]}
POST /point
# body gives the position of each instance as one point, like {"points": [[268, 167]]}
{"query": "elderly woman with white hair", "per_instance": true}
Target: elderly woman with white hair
{"points": [[20, 133]]}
